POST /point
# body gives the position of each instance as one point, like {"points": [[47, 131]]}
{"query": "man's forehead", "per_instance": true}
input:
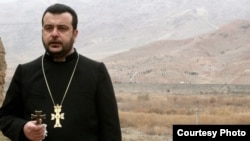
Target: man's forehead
{"points": [[61, 18]]}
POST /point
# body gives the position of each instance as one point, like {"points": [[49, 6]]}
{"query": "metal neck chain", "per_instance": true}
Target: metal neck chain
{"points": [[46, 81]]}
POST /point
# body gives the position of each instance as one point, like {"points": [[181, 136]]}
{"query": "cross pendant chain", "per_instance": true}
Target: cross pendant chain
{"points": [[57, 116]]}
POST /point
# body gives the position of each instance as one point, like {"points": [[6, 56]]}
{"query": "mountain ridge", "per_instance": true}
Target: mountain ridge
{"points": [[220, 57], [109, 27]]}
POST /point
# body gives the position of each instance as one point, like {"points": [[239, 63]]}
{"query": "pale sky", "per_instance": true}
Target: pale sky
{"points": [[3, 1]]}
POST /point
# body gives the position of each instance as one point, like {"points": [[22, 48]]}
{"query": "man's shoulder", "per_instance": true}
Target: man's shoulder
{"points": [[34, 62], [84, 59], [90, 64]]}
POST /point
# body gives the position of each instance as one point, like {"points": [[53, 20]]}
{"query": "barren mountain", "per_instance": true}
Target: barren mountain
{"points": [[217, 57], [107, 27]]}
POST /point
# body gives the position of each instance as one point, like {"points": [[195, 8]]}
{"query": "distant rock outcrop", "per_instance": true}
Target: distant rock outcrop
{"points": [[3, 67]]}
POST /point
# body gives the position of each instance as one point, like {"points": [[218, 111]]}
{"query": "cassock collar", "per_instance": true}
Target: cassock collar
{"points": [[70, 57]]}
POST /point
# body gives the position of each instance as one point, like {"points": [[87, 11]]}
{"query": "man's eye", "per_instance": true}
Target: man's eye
{"points": [[62, 28], [48, 28]]}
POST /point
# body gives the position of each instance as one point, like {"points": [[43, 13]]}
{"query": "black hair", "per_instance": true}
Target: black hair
{"points": [[61, 8]]}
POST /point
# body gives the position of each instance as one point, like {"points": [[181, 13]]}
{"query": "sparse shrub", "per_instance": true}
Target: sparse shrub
{"points": [[156, 110], [212, 100], [154, 114], [144, 97], [171, 111]]}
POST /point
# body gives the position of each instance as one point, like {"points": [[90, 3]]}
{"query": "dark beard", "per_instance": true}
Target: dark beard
{"points": [[66, 49]]}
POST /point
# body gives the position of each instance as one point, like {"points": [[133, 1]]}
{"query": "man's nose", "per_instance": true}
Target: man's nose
{"points": [[55, 32]]}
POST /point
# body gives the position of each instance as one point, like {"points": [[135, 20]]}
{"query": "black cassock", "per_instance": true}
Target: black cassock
{"points": [[90, 108]]}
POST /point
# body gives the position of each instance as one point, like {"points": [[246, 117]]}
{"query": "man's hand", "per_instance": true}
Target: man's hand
{"points": [[34, 132]]}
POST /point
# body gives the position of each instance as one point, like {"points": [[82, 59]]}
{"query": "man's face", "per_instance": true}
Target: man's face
{"points": [[57, 34]]}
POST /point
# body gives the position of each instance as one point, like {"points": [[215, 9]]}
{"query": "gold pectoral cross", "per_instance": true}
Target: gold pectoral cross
{"points": [[57, 116]]}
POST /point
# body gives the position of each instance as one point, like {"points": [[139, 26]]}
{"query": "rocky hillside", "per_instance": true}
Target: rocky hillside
{"points": [[218, 57], [107, 27], [3, 66]]}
